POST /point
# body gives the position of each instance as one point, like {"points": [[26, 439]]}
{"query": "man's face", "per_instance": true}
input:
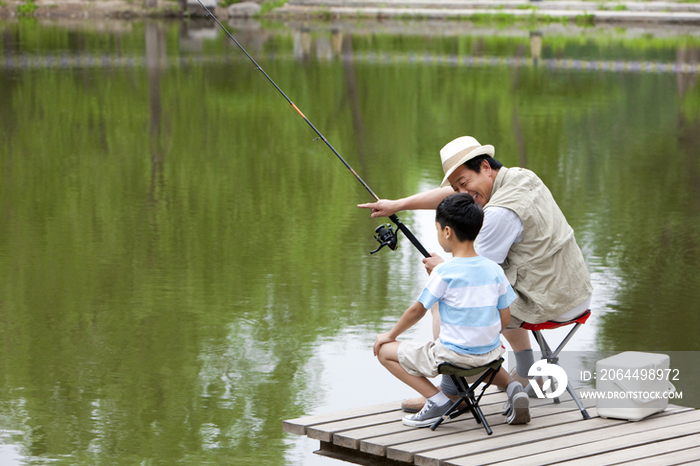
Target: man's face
{"points": [[479, 185]]}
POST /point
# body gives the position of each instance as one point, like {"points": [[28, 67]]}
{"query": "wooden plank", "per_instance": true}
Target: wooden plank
{"points": [[618, 438], [589, 433], [298, 426], [375, 435], [352, 438], [325, 432], [353, 456], [503, 435], [464, 423], [474, 432], [519, 437], [666, 453], [683, 457], [378, 445], [591, 430]]}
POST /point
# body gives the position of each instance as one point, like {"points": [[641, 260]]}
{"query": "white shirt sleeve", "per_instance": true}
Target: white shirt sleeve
{"points": [[501, 229]]}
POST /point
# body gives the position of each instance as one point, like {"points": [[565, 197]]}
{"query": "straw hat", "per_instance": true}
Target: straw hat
{"points": [[456, 152]]}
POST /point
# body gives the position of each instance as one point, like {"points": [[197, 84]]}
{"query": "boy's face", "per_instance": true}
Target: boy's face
{"points": [[442, 237]]}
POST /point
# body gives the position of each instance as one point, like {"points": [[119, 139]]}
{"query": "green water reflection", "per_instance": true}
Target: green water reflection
{"points": [[175, 246]]}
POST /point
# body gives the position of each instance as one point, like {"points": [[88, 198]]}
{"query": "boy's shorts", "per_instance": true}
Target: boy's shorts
{"points": [[422, 359]]}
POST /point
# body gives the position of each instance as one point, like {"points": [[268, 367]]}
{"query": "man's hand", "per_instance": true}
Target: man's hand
{"points": [[431, 262], [381, 208], [381, 339]]}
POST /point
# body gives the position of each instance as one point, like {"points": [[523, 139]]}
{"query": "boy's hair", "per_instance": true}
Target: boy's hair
{"points": [[462, 214]]}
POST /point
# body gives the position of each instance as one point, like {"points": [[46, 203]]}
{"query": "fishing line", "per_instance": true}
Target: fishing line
{"points": [[325, 154], [256, 67], [315, 138], [340, 172], [384, 233]]}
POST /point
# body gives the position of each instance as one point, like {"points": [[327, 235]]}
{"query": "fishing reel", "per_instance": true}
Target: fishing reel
{"points": [[386, 236]]}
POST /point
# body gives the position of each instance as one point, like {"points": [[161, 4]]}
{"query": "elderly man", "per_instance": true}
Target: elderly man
{"points": [[524, 230]]}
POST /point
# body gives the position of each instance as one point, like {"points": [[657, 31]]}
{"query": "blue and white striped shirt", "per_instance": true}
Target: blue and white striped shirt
{"points": [[470, 292]]}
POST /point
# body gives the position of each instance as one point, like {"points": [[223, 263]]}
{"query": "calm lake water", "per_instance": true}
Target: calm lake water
{"points": [[183, 267]]}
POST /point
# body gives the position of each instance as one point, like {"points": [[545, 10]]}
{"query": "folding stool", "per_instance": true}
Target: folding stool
{"points": [[467, 392], [552, 357]]}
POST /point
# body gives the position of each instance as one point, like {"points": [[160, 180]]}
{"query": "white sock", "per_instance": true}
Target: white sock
{"points": [[439, 398]]}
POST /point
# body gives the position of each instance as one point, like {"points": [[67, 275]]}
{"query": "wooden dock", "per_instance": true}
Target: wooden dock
{"points": [[557, 434]]}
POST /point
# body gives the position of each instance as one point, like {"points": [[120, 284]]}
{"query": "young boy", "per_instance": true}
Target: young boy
{"points": [[474, 298]]}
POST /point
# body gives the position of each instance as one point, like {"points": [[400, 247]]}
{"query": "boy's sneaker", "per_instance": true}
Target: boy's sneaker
{"points": [[427, 416], [414, 405], [518, 407]]}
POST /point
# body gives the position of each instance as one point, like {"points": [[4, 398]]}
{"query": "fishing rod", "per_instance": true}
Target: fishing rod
{"points": [[384, 234]]}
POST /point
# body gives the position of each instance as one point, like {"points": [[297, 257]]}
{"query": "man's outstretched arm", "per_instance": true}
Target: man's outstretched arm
{"points": [[421, 201]]}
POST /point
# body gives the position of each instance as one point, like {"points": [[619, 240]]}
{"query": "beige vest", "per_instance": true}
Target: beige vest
{"points": [[546, 268]]}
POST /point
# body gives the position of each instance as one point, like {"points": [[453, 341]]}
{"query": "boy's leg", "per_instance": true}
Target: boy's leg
{"points": [[502, 378], [388, 356], [448, 387], [437, 404]]}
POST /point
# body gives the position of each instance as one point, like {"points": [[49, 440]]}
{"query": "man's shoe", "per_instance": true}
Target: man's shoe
{"points": [[413, 405], [428, 415], [518, 407]]}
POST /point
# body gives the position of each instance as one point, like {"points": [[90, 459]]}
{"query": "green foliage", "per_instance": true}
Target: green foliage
{"points": [[27, 9], [506, 19], [270, 5], [498, 18], [585, 20], [321, 13]]}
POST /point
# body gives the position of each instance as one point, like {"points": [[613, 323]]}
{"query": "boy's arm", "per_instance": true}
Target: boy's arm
{"points": [[505, 317], [435, 310], [409, 318]]}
